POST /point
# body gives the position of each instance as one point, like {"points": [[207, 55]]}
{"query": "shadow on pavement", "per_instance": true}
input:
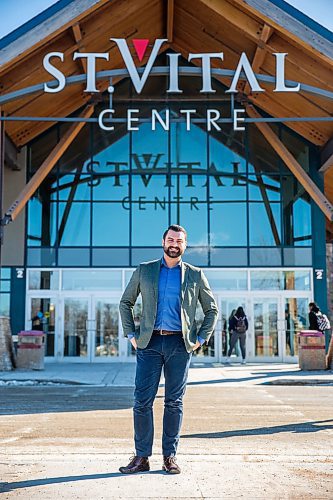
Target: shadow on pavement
{"points": [[32, 400], [7, 487], [303, 427], [260, 376]]}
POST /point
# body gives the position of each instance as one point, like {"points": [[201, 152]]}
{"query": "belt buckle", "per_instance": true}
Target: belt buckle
{"points": [[161, 332]]}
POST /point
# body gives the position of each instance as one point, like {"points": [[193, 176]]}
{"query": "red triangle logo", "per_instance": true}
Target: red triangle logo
{"points": [[140, 45]]}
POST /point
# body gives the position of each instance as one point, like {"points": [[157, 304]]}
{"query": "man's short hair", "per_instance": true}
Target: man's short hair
{"points": [[177, 229]]}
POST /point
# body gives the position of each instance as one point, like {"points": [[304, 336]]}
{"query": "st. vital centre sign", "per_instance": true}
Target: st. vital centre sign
{"points": [[139, 79]]}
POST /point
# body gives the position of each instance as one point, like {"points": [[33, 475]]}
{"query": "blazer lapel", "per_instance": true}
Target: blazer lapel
{"points": [[155, 276], [184, 273]]}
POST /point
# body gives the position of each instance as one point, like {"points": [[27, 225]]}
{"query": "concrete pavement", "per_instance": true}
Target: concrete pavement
{"points": [[122, 374], [251, 441]]}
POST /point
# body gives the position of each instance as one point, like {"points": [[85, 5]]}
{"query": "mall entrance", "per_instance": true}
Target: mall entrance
{"points": [[79, 313], [274, 321]]}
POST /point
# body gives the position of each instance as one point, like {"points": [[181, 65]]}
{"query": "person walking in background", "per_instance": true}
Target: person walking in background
{"points": [[238, 325], [167, 336], [317, 320]]}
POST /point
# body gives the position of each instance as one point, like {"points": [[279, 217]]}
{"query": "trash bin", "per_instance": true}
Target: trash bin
{"points": [[311, 350], [31, 350]]}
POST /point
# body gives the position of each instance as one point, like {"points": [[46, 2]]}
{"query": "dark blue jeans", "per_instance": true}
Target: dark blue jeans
{"points": [[170, 353]]}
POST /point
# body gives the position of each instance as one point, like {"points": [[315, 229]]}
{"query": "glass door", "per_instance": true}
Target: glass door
{"points": [[42, 316], [296, 319], [267, 326], [228, 308], [76, 313], [105, 337], [90, 327]]}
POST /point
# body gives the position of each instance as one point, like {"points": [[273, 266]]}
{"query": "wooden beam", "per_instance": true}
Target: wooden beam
{"points": [[327, 165], [78, 39], [46, 167], [170, 18], [290, 27], [48, 30], [306, 62], [269, 102], [303, 178], [268, 209], [260, 53]]}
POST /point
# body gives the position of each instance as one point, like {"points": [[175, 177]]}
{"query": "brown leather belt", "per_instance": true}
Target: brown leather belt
{"points": [[166, 332]]}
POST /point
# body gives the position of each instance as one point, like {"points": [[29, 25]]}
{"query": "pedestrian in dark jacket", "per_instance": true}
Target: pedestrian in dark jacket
{"points": [[238, 325], [313, 310], [318, 321]]}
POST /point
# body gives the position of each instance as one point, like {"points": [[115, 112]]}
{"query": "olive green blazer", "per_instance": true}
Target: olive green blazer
{"points": [[194, 289]]}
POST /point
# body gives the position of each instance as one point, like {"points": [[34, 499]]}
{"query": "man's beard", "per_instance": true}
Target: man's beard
{"points": [[172, 252]]}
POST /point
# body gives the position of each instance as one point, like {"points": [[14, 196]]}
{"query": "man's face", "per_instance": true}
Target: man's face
{"points": [[174, 244]]}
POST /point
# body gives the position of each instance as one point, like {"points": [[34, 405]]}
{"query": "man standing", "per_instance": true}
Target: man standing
{"points": [[170, 290]]}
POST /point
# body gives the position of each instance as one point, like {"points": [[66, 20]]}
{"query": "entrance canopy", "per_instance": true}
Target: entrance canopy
{"points": [[259, 28]]}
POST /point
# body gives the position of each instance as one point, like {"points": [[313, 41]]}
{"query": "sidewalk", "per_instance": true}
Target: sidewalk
{"points": [[123, 374]]}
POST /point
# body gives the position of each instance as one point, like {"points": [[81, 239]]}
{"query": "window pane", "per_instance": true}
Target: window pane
{"points": [[74, 224], [5, 273], [193, 217], [227, 169], [74, 257], [144, 254], [149, 221], [297, 256], [4, 286], [74, 188], [188, 147], [150, 188], [227, 280], [297, 280], [110, 257], [43, 280], [265, 224], [264, 186], [110, 166], [196, 256], [42, 219], [267, 280], [228, 225], [228, 257], [91, 280], [41, 257], [296, 213], [265, 257], [4, 304], [110, 224]]}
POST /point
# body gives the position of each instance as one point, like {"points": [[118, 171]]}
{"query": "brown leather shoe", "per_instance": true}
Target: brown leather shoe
{"points": [[137, 464], [170, 466]]}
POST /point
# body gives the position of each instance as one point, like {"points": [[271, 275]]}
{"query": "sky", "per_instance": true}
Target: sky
{"points": [[13, 13]]}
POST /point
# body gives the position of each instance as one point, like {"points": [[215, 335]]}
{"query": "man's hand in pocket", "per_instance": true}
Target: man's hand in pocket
{"points": [[133, 342]]}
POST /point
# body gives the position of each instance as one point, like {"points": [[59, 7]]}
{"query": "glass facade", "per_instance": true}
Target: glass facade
{"points": [[105, 205], [112, 194]]}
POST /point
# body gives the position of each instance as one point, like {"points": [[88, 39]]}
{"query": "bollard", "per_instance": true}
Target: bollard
{"points": [[31, 350], [311, 350]]}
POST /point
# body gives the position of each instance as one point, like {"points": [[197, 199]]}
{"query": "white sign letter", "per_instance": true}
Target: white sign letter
{"points": [[91, 67], [245, 66], [54, 72], [128, 60], [100, 119], [188, 113], [238, 119], [155, 114], [206, 68], [280, 74], [211, 120], [131, 119]]}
